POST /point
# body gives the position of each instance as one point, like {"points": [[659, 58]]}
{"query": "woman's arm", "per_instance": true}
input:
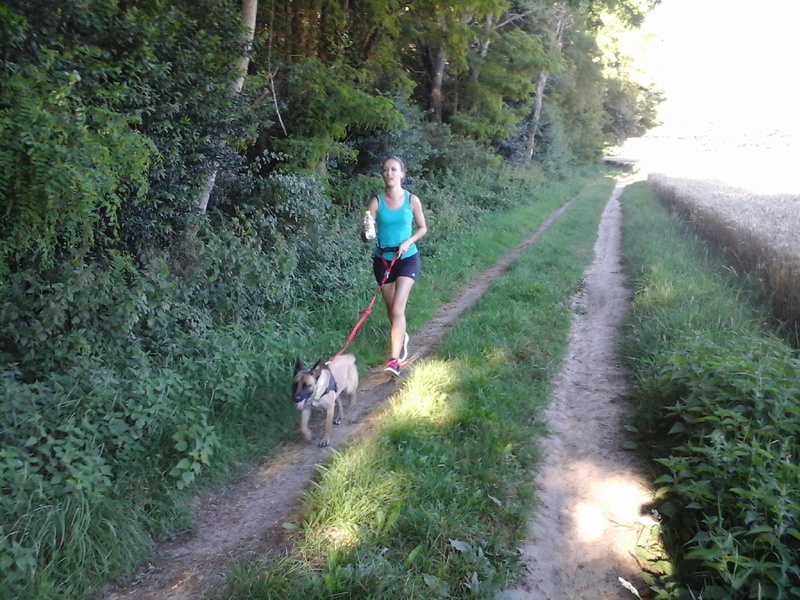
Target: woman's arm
{"points": [[419, 221], [372, 207]]}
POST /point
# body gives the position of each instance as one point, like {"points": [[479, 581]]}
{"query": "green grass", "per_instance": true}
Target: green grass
{"points": [[433, 502], [716, 407]]}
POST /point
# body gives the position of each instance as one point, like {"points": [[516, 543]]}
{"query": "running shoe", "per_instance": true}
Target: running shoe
{"points": [[392, 368], [404, 351]]}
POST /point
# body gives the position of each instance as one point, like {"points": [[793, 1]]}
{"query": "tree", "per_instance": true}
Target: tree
{"points": [[63, 166], [442, 31], [249, 12], [588, 17], [560, 19], [493, 98]]}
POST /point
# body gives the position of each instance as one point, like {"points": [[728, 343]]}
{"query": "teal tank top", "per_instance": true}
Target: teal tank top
{"points": [[394, 226]]}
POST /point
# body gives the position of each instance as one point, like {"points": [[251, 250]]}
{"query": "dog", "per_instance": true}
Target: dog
{"points": [[322, 386]]}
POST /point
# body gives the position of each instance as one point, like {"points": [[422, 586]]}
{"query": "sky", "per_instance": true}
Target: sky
{"points": [[730, 70], [729, 65]]}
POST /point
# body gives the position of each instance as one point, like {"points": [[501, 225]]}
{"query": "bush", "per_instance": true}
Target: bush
{"points": [[730, 490]]}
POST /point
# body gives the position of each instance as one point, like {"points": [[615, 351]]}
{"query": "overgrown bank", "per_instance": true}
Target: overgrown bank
{"points": [[717, 406]]}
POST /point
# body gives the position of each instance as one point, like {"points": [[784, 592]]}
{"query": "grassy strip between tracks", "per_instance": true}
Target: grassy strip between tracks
{"points": [[433, 502]]}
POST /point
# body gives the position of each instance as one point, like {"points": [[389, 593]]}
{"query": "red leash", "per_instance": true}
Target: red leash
{"points": [[365, 313]]}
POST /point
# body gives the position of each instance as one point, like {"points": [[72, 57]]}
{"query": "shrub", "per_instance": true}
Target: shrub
{"points": [[729, 489]]}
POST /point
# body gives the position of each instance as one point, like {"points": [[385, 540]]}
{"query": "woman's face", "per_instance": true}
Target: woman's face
{"points": [[392, 172]]}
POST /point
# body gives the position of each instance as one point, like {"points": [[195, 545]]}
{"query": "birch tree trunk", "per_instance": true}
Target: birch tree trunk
{"points": [[541, 84], [249, 9], [562, 14]]}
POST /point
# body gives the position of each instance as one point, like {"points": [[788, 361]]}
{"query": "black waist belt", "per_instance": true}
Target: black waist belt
{"points": [[388, 249]]}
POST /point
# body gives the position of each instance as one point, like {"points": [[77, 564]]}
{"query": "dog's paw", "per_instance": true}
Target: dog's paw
{"points": [[338, 421], [323, 443]]}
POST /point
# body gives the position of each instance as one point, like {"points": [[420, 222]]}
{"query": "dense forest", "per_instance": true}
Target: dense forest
{"points": [[179, 183]]}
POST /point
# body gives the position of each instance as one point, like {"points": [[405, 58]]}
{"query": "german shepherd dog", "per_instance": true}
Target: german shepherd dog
{"points": [[322, 386]]}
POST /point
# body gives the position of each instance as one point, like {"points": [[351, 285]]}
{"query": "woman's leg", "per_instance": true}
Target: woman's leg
{"points": [[395, 296]]}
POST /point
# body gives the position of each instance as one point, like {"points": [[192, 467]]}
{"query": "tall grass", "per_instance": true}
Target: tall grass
{"points": [[759, 232], [717, 405], [433, 502]]}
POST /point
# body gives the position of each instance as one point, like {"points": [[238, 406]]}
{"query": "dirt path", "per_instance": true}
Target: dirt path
{"points": [[591, 493], [247, 517]]}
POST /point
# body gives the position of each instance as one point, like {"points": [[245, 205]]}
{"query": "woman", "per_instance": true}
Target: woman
{"points": [[396, 211]]}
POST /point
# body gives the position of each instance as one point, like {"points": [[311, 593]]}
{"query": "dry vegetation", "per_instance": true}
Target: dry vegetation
{"points": [[760, 231]]}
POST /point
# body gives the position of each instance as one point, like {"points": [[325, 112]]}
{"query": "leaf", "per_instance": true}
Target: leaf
{"points": [[677, 427], [412, 556], [438, 586]]}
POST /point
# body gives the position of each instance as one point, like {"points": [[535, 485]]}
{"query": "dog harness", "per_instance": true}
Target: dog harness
{"points": [[331, 384]]}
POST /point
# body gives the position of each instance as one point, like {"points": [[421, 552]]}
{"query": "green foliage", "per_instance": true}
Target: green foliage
{"points": [[143, 346], [553, 150], [326, 102], [729, 488], [64, 165], [631, 108], [496, 95], [115, 375], [717, 403], [116, 80], [579, 87]]}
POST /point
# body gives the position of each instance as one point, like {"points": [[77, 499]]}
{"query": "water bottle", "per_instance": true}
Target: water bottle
{"points": [[369, 226]]}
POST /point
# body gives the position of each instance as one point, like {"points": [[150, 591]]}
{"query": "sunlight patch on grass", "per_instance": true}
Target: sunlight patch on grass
{"points": [[341, 537], [349, 503], [427, 394], [498, 358], [656, 295]]}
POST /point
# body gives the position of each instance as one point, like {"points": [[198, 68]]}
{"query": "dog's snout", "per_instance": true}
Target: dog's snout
{"points": [[301, 397]]}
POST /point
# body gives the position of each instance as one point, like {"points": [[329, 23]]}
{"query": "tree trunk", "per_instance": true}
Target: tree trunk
{"points": [[483, 50], [249, 9], [436, 84], [541, 82]]}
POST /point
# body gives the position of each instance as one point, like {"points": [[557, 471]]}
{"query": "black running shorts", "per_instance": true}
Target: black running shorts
{"points": [[404, 267]]}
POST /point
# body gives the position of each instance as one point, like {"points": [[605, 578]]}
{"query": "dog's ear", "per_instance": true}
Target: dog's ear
{"points": [[298, 366], [318, 368]]}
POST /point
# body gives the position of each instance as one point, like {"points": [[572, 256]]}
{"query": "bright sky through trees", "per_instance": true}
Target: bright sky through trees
{"points": [[729, 71], [726, 64]]}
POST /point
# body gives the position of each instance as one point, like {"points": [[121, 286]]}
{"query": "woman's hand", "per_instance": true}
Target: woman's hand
{"points": [[403, 247]]}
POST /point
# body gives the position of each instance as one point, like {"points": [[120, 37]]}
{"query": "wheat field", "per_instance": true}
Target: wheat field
{"points": [[749, 203]]}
